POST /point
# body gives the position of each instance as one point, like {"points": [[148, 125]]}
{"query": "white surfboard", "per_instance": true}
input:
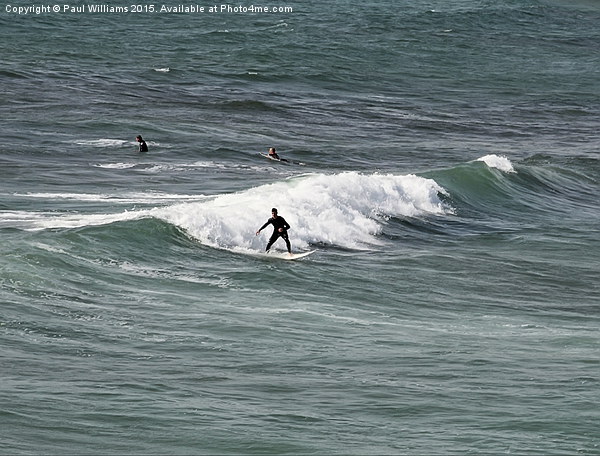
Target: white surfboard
{"points": [[272, 158], [282, 160], [286, 256], [297, 256]]}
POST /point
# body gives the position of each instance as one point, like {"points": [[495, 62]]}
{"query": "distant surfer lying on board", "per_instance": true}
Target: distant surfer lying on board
{"points": [[273, 155], [280, 227]]}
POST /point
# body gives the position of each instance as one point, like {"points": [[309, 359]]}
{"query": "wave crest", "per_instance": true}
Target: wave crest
{"points": [[499, 162]]}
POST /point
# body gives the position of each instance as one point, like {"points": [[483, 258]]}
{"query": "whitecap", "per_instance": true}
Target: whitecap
{"points": [[499, 162]]}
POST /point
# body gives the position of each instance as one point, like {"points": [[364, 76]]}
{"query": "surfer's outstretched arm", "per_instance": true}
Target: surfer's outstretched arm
{"points": [[263, 227]]}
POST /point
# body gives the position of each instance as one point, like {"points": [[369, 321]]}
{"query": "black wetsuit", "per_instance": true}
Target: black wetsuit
{"points": [[143, 146], [278, 222]]}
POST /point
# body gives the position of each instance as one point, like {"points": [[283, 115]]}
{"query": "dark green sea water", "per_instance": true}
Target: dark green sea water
{"points": [[443, 161]]}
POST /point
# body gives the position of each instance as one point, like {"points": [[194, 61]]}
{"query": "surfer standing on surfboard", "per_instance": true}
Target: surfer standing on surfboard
{"points": [[280, 227]]}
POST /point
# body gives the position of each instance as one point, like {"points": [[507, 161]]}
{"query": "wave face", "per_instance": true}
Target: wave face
{"points": [[496, 177]]}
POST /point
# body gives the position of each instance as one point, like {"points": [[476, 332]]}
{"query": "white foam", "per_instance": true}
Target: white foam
{"points": [[103, 142], [160, 167], [35, 221], [346, 210], [40, 220], [79, 221], [499, 162], [183, 167], [157, 168], [116, 165], [22, 219], [128, 198]]}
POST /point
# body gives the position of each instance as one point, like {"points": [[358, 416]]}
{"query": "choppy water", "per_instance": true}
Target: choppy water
{"points": [[443, 161]]}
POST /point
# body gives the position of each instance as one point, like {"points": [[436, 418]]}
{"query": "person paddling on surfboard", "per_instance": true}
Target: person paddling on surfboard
{"points": [[143, 145], [273, 153], [280, 227]]}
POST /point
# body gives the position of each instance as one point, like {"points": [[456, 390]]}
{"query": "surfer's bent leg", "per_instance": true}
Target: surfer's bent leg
{"points": [[272, 240]]}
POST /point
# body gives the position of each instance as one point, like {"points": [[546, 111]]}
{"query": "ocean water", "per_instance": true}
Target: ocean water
{"points": [[443, 161]]}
